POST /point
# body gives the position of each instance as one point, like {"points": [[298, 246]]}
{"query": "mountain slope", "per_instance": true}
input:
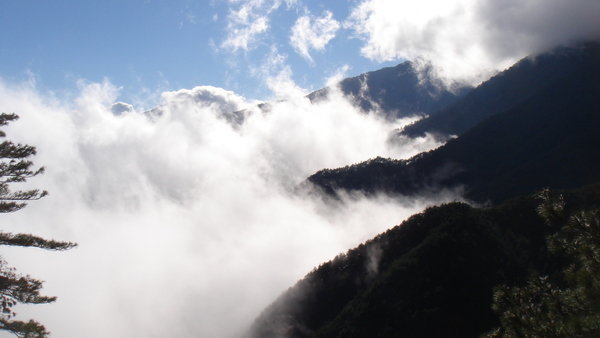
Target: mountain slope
{"points": [[408, 89], [508, 89], [550, 139], [431, 276], [404, 90]]}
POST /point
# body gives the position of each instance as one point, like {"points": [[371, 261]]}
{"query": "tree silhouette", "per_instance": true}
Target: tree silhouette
{"points": [[16, 288]]}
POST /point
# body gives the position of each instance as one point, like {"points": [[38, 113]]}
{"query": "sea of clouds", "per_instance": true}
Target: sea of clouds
{"points": [[188, 222]]}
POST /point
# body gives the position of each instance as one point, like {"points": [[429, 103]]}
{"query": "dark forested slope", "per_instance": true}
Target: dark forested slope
{"points": [[434, 275], [508, 89], [550, 139], [431, 276]]}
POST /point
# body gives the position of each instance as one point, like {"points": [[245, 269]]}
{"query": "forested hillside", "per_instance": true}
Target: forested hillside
{"points": [[431, 276], [535, 126], [551, 139], [509, 89]]}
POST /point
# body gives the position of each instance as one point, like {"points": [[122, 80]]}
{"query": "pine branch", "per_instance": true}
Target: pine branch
{"points": [[15, 288], [6, 207], [10, 150], [31, 329], [27, 240], [6, 118]]}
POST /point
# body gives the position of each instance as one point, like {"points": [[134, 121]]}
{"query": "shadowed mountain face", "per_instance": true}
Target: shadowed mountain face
{"points": [[549, 139], [434, 275], [508, 89], [410, 88], [431, 276]]}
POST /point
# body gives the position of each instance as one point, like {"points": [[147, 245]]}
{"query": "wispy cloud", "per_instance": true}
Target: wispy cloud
{"points": [[189, 18], [311, 32], [243, 35], [277, 76], [248, 20]]}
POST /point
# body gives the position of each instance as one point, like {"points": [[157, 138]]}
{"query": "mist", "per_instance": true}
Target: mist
{"points": [[187, 224]]}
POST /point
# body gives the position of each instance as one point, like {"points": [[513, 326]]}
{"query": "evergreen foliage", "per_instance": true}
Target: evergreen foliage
{"points": [[15, 167], [565, 303], [16, 288]]}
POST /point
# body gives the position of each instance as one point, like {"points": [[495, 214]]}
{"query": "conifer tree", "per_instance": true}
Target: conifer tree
{"points": [[565, 304], [15, 288]]}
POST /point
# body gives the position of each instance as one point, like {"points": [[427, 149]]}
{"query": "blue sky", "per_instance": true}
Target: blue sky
{"points": [[147, 46]]}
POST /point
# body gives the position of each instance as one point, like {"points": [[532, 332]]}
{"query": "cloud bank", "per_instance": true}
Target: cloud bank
{"points": [[187, 226], [469, 38]]}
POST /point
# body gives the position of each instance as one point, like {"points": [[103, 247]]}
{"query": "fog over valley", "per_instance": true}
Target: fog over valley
{"points": [[187, 224]]}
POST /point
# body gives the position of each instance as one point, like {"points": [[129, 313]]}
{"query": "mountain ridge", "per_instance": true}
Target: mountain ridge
{"points": [[434, 274], [407, 89], [499, 153], [507, 89]]}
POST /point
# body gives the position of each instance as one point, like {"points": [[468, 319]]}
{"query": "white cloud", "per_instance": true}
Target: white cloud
{"points": [[310, 32], [242, 36], [186, 225], [277, 75], [214, 98], [248, 22], [119, 108], [337, 76], [468, 38]]}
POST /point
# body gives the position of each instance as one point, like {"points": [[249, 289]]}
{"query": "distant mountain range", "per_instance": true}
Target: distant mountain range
{"points": [[534, 126], [548, 137]]}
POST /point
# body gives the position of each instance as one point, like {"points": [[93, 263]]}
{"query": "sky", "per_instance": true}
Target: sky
{"points": [[149, 46], [145, 47], [188, 224]]}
